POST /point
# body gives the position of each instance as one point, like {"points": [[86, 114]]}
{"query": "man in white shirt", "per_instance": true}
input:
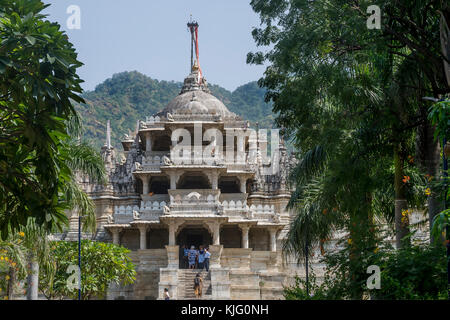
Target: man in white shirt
{"points": [[207, 255]]}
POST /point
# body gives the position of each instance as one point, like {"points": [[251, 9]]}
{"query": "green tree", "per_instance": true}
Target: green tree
{"points": [[352, 99], [38, 83], [102, 264]]}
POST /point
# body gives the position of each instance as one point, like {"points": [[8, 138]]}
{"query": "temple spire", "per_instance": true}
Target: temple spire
{"points": [[108, 134]]}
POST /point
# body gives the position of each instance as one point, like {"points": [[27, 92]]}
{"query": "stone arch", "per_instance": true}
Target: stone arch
{"points": [[259, 239], [229, 184], [159, 184], [230, 236], [161, 142], [194, 180]]}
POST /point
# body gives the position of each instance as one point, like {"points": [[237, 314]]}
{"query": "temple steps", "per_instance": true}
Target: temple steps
{"points": [[186, 284]]}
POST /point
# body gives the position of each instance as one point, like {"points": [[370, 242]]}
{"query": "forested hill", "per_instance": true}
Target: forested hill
{"points": [[131, 96]]}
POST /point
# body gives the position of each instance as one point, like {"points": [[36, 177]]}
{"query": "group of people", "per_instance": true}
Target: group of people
{"points": [[196, 259]]}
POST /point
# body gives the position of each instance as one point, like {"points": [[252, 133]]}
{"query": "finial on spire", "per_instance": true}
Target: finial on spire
{"points": [[193, 28]]}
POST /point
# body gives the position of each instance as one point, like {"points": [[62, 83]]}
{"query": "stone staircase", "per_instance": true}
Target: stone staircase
{"points": [[186, 284]]}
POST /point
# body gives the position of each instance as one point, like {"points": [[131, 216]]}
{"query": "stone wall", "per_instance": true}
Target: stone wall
{"points": [[148, 263]]}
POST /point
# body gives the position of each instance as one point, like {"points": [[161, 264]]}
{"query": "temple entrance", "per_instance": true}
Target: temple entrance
{"points": [[192, 236]]}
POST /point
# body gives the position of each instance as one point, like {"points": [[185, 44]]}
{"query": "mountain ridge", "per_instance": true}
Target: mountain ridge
{"points": [[130, 96]]}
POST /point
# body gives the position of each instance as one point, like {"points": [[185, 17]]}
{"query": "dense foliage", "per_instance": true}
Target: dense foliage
{"points": [[416, 272], [38, 83], [101, 265], [131, 96], [352, 99]]}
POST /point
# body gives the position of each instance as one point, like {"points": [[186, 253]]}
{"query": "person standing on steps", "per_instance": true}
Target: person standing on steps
{"points": [[206, 256], [166, 294], [192, 256], [198, 286], [185, 257], [201, 257]]}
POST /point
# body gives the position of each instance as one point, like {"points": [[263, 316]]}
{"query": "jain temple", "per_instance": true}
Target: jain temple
{"points": [[196, 174]]}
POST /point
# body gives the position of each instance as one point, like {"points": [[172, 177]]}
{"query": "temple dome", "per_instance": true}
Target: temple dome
{"points": [[196, 98]]}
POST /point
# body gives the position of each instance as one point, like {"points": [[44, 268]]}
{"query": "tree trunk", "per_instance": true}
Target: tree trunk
{"points": [[11, 282], [401, 220], [33, 278], [428, 155]]}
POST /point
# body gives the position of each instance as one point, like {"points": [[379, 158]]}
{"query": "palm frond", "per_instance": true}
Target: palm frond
{"points": [[312, 162], [79, 200], [86, 160]]}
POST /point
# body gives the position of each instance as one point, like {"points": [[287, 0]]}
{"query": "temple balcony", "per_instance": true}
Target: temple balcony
{"points": [[152, 206], [194, 201]]}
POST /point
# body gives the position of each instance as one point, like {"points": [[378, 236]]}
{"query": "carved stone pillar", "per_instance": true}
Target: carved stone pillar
{"points": [[214, 179], [115, 236], [148, 141], [216, 252], [273, 239], [240, 148], [244, 228], [174, 176], [243, 181], [215, 228], [143, 236], [172, 230], [145, 187], [172, 257]]}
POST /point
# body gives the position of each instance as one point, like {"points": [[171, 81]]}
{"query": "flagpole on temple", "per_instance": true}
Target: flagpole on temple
{"points": [[193, 28]]}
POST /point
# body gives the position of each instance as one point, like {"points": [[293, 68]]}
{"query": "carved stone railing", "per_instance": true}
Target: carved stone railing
{"points": [[234, 202], [194, 200], [233, 196], [152, 161], [197, 117], [152, 207], [265, 212], [124, 214], [152, 122], [195, 158]]}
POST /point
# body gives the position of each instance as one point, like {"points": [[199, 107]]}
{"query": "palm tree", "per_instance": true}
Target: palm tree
{"points": [[311, 225], [76, 158]]}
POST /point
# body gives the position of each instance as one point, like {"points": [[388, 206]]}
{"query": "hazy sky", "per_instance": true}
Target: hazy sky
{"points": [[151, 36]]}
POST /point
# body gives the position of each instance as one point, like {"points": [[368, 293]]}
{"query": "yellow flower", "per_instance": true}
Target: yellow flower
{"points": [[349, 241], [7, 278], [22, 234], [427, 191], [13, 264], [2, 258], [6, 259], [376, 250]]}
